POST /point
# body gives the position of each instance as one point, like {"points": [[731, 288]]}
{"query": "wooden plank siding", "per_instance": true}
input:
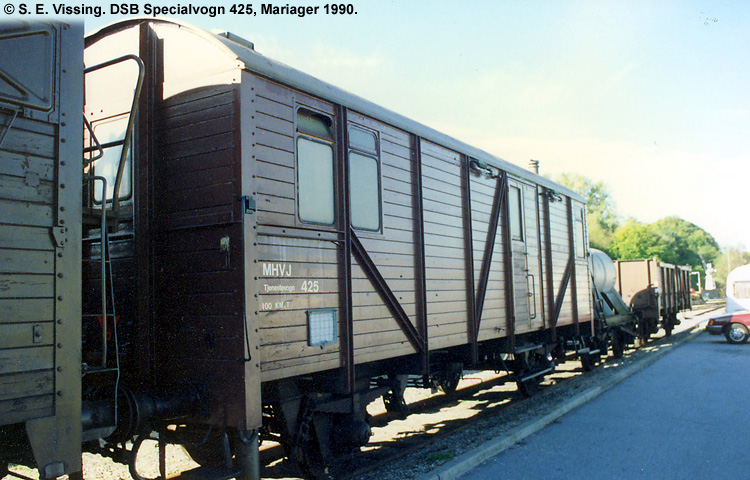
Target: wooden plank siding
{"points": [[216, 272], [28, 188], [283, 307], [194, 172], [493, 322], [293, 274], [376, 334], [444, 240], [297, 265], [198, 250]]}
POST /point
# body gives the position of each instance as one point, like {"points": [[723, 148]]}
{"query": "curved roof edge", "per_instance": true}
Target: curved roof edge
{"points": [[256, 62], [741, 273]]}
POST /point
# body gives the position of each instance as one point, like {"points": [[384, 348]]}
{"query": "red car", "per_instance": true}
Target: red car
{"points": [[735, 326]]}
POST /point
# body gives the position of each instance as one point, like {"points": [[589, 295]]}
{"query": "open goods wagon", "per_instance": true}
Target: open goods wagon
{"points": [[656, 291], [260, 254]]}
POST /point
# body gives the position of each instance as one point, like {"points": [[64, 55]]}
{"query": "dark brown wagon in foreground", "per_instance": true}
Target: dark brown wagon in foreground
{"points": [[261, 254]]}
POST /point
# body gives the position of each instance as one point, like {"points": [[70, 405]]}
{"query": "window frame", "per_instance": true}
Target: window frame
{"points": [[375, 155], [329, 142], [521, 221]]}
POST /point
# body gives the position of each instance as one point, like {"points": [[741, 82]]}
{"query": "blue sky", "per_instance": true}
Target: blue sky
{"points": [[650, 97]]}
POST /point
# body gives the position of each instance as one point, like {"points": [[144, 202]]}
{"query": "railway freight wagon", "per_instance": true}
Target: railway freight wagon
{"points": [[41, 135], [263, 254], [655, 291]]}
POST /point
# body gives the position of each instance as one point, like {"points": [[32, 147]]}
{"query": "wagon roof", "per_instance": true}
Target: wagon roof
{"points": [[267, 67]]}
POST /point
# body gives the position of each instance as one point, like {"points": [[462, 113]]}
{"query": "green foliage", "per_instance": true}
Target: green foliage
{"points": [[671, 239], [597, 196], [730, 258], [602, 214], [634, 240], [600, 235], [685, 242]]}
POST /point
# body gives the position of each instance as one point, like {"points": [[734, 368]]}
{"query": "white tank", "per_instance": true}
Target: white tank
{"points": [[602, 270]]}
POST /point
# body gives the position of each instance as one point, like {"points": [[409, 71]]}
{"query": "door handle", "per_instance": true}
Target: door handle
{"points": [[532, 294]]}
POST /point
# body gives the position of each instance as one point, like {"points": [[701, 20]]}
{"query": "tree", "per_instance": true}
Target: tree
{"points": [[602, 214], [635, 240], [686, 243], [730, 258], [671, 240]]}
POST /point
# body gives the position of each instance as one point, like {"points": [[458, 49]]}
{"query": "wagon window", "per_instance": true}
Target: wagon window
{"points": [[364, 180], [315, 173], [315, 184], [514, 208], [363, 140], [314, 124]]}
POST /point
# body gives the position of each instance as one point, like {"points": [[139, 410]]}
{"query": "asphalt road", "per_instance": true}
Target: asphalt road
{"points": [[684, 417]]}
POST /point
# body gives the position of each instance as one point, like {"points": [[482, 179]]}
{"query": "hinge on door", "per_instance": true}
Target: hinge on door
{"points": [[58, 235]]}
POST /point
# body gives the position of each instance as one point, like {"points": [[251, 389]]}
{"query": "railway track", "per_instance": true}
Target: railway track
{"points": [[438, 421], [439, 427]]}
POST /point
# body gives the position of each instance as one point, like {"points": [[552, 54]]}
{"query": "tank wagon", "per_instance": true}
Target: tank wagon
{"points": [[246, 251], [632, 298], [615, 321], [656, 291]]}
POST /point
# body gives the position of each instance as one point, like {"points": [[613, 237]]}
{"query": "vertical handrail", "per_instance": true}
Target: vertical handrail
{"points": [[103, 266], [131, 121]]}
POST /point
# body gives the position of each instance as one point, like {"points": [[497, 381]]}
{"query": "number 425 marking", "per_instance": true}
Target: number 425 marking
{"points": [[310, 286]]}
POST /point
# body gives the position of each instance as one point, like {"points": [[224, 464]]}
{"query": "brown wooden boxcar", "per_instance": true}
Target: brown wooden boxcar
{"points": [[277, 253], [655, 290]]}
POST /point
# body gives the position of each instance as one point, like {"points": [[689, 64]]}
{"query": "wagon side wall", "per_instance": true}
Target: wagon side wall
{"points": [[190, 218], [40, 238], [293, 255]]}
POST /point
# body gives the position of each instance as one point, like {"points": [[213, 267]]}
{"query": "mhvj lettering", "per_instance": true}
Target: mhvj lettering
{"points": [[277, 269]]}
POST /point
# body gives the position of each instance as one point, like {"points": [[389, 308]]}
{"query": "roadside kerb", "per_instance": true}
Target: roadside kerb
{"points": [[465, 462]]}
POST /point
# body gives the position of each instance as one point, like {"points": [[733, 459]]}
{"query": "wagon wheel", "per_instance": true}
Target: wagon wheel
{"points": [[668, 327], [589, 359], [310, 462], [395, 403], [306, 451], [644, 332], [309, 458], [449, 385], [449, 381], [208, 453], [394, 399], [603, 345], [528, 364], [669, 324]]}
